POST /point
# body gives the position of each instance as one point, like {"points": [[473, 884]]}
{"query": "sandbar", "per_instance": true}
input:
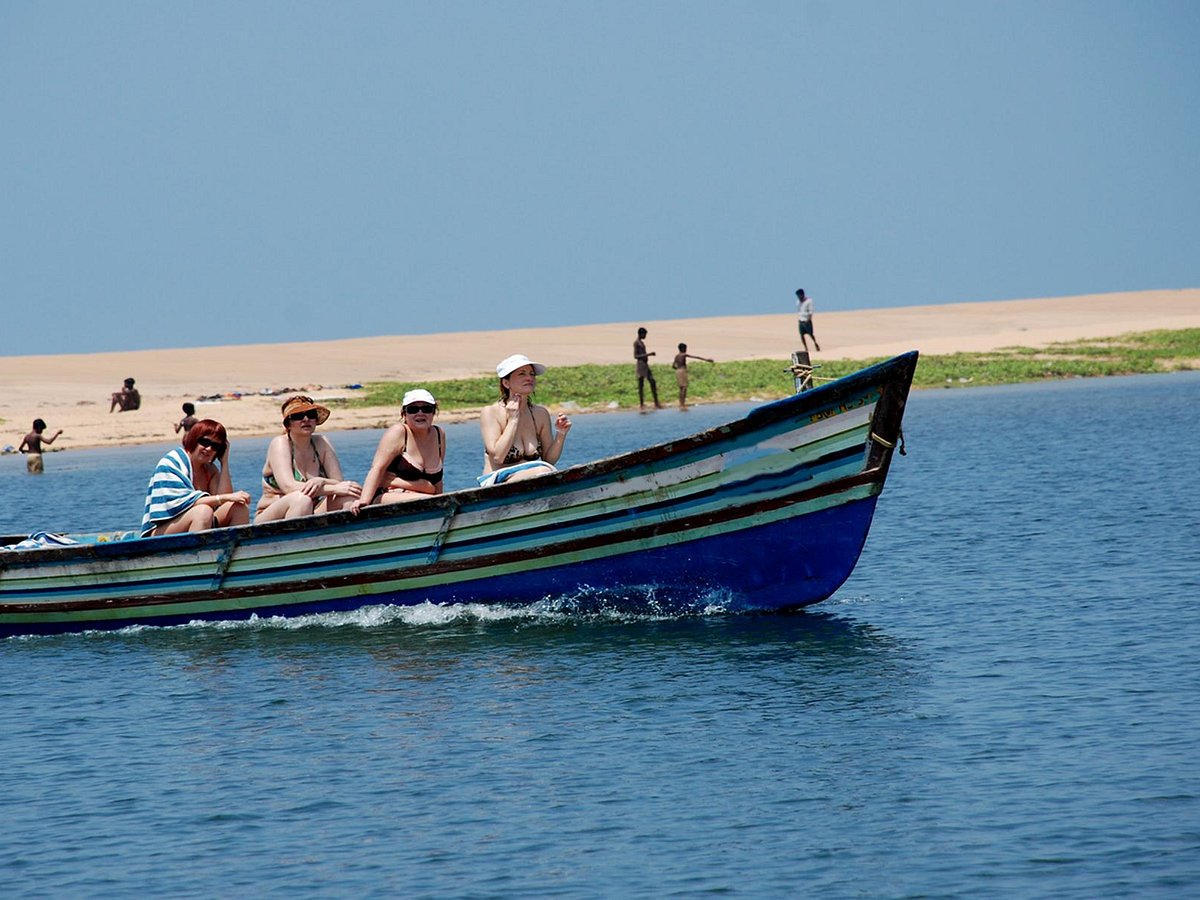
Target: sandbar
{"points": [[72, 391]]}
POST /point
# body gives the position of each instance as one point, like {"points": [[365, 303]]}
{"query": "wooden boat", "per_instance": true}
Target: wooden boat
{"points": [[769, 512]]}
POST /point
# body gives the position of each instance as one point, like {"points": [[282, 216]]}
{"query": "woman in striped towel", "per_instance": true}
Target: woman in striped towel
{"points": [[191, 490]]}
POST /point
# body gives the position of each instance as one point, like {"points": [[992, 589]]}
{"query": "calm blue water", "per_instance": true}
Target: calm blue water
{"points": [[1004, 700]]}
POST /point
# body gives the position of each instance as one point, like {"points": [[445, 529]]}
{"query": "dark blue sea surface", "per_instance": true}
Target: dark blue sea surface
{"points": [[1003, 700]]}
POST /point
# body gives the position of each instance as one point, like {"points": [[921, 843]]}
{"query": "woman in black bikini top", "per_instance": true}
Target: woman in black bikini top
{"points": [[407, 471], [408, 461]]}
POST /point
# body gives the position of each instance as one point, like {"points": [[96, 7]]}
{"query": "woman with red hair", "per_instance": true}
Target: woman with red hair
{"points": [[191, 490]]}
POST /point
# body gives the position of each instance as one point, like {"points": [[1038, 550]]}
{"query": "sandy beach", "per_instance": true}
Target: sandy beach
{"points": [[72, 391]]}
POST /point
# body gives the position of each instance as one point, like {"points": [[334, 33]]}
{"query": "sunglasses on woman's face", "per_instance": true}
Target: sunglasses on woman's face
{"points": [[216, 446], [420, 408], [307, 414]]}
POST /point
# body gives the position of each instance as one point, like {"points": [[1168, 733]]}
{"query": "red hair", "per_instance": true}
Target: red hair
{"points": [[209, 428]]}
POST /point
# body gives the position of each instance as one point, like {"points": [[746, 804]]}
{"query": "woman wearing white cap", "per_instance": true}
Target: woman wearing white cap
{"points": [[302, 474], [518, 440], [408, 461]]}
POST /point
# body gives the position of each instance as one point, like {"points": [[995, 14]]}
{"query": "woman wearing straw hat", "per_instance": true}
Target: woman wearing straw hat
{"points": [[408, 461], [518, 440], [302, 474]]}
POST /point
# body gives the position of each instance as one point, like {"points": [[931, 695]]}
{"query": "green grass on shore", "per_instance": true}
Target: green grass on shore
{"points": [[598, 387]]}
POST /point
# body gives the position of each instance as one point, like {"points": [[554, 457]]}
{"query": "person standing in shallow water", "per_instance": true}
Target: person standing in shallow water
{"points": [[31, 446], [642, 360]]}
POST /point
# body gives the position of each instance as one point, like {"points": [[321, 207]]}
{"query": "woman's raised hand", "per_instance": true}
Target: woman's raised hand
{"points": [[516, 403]]}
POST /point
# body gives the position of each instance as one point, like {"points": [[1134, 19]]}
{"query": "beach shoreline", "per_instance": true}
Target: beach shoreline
{"points": [[251, 381]]}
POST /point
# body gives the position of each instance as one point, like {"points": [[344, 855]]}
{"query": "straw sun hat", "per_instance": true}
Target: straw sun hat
{"points": [[299, 404]]}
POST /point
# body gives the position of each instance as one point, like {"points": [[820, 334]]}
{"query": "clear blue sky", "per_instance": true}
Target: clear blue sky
{"points": [[194, 173]]}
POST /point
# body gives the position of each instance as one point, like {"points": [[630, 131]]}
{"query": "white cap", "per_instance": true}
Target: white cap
{"points": [[510, 364], [419, 395]]}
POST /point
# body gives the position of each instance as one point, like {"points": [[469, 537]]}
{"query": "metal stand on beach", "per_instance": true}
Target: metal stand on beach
{"points": [[802, 370]]}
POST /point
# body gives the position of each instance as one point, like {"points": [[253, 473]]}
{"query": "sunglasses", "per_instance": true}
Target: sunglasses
{"points": [[307, 414], [420, 408], [216, 446]]}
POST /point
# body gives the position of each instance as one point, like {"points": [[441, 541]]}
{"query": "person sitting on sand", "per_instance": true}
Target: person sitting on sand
{"points": [[409, 459], [126, 398], [518, 440], [189, 419], [679, 364], [302, 474], [191, 489], [32, 447]]}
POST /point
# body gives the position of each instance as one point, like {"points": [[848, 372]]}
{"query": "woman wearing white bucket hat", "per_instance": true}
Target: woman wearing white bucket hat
{"points": [[519, 440], [408, 461]]}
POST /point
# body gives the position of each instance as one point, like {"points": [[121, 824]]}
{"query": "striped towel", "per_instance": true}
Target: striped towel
{"points": [[39, 540], [502, 475], [171, 492]]}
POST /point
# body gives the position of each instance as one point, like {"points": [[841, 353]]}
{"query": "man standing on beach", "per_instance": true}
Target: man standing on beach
{"points": [[642, 359], [804, 311]]}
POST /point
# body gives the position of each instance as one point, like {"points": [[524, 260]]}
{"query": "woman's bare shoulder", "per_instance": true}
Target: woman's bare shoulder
{"points": [[394, 436]]}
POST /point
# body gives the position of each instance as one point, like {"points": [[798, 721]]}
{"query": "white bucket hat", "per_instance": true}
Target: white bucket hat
{"points": [[510, 364], [419, 395]]}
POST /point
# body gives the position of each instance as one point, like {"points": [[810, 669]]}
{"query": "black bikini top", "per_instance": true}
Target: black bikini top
{"points": [[402, 468]]}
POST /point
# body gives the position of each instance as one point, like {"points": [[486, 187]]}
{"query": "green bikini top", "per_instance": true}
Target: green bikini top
{"points": [[269, 477]]}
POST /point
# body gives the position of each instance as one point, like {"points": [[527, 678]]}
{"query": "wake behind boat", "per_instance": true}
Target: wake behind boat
{"points": [[770, 511]]}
